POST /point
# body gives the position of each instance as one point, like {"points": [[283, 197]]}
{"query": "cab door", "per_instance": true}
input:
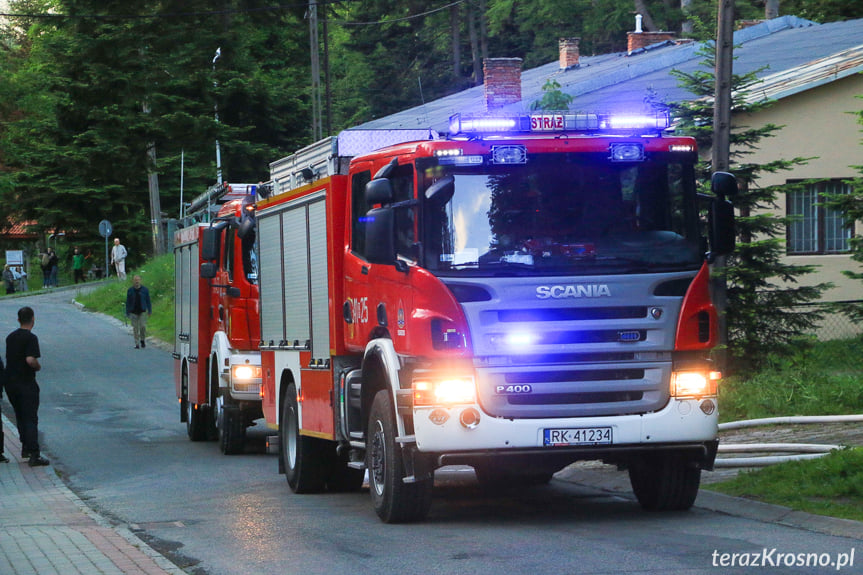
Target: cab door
{"points": [[379, 296]]}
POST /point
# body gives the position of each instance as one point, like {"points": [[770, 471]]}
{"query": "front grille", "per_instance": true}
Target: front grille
{"points": [[571, 314], [566, 390], [247, 387], [574, 375]]}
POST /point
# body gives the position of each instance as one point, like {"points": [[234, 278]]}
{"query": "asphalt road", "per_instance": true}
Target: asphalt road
{"points": [[110, 424]]}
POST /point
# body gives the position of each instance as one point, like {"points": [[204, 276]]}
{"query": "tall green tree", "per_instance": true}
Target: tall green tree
{"points": [[851, 207], [764, 292], [102, 82]]}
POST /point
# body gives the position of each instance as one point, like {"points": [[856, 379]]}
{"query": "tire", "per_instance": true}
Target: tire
{"points": [[196, 419], [305, 458], [394, 500], [230, 427], [665, 482], [213, 387]]}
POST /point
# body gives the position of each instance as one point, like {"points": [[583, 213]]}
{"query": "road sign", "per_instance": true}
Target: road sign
{"points": [[105, 228]]}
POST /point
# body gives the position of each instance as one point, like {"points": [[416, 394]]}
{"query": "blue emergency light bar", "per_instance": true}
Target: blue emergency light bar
{"points": [[558, 122]]}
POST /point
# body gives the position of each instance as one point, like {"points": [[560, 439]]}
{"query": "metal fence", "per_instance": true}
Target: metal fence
{"points": [[834, 325]]}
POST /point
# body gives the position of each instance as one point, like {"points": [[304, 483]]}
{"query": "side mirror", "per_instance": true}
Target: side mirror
{"points": [[208, 270], [722, 232], [210, 244], [379, 192], [246, 227], [441, 192], [723, 185], [380, 236]]}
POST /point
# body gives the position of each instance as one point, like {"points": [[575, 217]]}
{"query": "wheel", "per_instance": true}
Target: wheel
{"points": [[230, 428], [213, 387], [665, 482], [496, 476], [394, 500], [305, 457], [196, 419]]}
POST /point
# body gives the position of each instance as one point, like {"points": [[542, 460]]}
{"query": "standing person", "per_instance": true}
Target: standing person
{"points": [[78, 265], [138, 309], [22, 363], [118, 258], [3, 458], [21, 277], [45, 266], [9, 280], [53, 267]]}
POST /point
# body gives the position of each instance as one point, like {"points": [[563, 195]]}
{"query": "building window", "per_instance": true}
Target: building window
{"points": [[817, 229]]}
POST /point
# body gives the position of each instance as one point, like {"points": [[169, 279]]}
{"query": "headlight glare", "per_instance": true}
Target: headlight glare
{"points": [[449, 391], [694, 383], [245, 372]]}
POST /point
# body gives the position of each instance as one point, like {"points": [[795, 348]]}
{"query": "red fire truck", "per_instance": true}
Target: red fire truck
{"points": [[217, 366], [527, 292]]}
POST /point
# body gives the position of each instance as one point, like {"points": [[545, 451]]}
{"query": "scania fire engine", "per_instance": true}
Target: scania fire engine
{"points": [[217, 366], [524, 293]]}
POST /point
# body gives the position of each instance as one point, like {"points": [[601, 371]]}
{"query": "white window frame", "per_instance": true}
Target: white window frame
{"points": [[816, 229]]}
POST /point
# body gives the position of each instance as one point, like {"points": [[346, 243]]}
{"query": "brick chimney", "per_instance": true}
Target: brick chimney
{"points": [[568, 52], [641, 39], [638, 40], [502, 82]]}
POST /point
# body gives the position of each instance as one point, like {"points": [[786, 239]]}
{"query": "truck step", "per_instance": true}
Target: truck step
{"points": [[273, 444], [357, 464]]}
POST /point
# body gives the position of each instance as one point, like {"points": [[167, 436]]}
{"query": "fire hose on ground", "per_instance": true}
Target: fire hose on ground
{"points": [[796, 451]]}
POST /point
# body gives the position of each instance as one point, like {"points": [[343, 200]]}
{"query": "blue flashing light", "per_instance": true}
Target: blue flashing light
{"points": [[558, 122]]}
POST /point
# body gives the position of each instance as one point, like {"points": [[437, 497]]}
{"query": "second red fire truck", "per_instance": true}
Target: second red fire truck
{"points": [[525, 293], [217, 366]]}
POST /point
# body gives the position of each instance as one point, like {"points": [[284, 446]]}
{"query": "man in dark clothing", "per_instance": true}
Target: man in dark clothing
{"points": [[3, 458], [22, 363], [138, 309]]}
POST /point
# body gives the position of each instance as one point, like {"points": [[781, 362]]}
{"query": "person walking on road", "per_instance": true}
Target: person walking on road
{"points": [[138, 309], [22, 363], [3, 458], [118, 258]]}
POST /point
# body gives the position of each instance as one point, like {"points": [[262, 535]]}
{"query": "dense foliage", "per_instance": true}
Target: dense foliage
{"points": [[851, 207], [764, 293]]}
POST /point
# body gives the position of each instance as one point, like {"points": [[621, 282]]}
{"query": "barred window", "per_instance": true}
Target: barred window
{"points": [[816, 229]]}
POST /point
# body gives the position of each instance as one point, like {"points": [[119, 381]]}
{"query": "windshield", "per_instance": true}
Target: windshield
{"points": [[573, 214]]}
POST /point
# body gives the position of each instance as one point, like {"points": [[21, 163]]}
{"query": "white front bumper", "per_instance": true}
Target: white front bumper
{"points": [[681, 421]]}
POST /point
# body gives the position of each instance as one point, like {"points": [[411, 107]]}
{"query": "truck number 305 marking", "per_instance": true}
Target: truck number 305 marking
{"points": [[360, 309]]}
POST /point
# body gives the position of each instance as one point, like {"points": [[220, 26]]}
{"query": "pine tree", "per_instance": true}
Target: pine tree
{"points": [[851, 207], [764, 292]]}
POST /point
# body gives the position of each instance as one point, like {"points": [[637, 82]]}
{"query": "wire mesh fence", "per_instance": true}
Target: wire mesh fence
{"points": [[834, 325]]}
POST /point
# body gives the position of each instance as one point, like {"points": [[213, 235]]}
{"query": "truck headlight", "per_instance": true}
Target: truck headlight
{"points": [[694, 383], [245, 372], [444, 391]]}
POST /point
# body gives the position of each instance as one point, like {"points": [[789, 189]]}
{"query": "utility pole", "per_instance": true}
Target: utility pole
{"points": [[155, 202], [721, 152], [216, 106], [722, 95], [317, 124]]}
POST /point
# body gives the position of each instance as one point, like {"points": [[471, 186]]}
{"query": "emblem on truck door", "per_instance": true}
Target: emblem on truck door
{"points": [[572, 291]]}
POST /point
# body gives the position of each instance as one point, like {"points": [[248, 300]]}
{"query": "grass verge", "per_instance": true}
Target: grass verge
{"points": [[831, 485], [158, 276], [823, 378]]}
